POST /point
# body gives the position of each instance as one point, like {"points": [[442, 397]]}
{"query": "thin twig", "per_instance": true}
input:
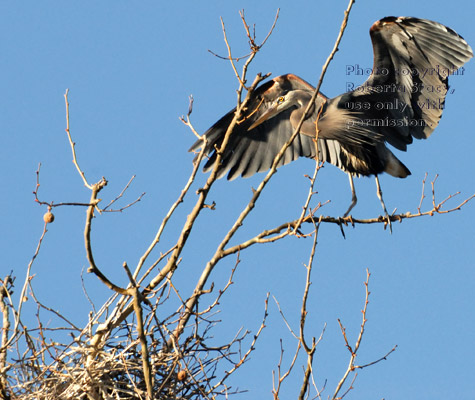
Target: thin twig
{"points": [[423, 193], [106, 208], [281, 377], [5, 288], [83, 176], [253, 45], [187, 121], [251, 348], [310, 350], [22, 298], [353, 350]]}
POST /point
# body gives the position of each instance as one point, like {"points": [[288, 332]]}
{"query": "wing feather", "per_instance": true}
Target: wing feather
{"points": [[416, 56], [405, 93], [251, 151]]}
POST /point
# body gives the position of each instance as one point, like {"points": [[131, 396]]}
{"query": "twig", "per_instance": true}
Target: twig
{"points": [[120, 195], [221, 291], [281, 378], [187, 121], [310, 350], [251, 39], [282, 230], [230, 57], [51, 204], [352, 351], [75, 162], [285, 319], [95, 189], [244, 358], [170, 212], [5, 287], [309, 196], [269, 33], [383, 358], [423, 193], [22, 298], [147, 370]]}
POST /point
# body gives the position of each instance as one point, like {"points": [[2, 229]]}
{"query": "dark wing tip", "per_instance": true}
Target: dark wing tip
{"points": [[195, 146]]}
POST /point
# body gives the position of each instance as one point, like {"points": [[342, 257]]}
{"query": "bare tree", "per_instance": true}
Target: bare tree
{"points": [[130, 350]]}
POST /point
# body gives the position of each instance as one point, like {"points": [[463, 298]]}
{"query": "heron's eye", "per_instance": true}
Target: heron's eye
{"points": [[280, 100]]}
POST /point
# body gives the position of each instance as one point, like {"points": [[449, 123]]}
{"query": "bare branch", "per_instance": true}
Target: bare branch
{"points": [[251, 37], [354, 349], [4, 296], [120, 195], [22, 297], [73, 149], [187, 121], [147, 370], [245, 357]]}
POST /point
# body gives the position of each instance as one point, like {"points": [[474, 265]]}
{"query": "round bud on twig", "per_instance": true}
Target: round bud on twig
{"points": [[181, 375], [48, 217]]}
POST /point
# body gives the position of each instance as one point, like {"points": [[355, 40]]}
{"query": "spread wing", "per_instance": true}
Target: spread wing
{"points": [[251, 151], [403, 98], [405, 95]]}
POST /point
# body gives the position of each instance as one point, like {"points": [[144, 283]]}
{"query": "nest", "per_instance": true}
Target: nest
{"points": [[39, 364], [116, 371]]}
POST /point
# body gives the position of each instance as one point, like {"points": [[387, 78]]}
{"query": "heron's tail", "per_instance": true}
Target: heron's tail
{"points": [[395, 167]]}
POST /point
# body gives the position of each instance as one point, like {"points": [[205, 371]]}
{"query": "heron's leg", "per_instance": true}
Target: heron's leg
{"points": [[379, 192], [354, 199]]}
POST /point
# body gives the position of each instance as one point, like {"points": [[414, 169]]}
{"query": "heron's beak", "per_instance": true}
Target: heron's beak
{"points": [[264, 117]]}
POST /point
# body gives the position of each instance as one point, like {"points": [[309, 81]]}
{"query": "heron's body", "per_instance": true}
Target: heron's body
{"points": [[402, 99]]}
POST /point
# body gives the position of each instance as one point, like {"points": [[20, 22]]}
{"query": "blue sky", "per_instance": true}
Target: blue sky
{"points": [[130, 67]]}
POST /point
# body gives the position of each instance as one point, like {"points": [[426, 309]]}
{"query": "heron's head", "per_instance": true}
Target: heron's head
{"points": [[281, 103]]}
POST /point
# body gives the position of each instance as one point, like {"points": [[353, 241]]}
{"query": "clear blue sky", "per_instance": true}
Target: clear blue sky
{"points": [[130, 67]]}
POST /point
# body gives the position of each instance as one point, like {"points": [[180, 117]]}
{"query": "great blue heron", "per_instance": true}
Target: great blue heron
{"points": [[402, 99]]}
